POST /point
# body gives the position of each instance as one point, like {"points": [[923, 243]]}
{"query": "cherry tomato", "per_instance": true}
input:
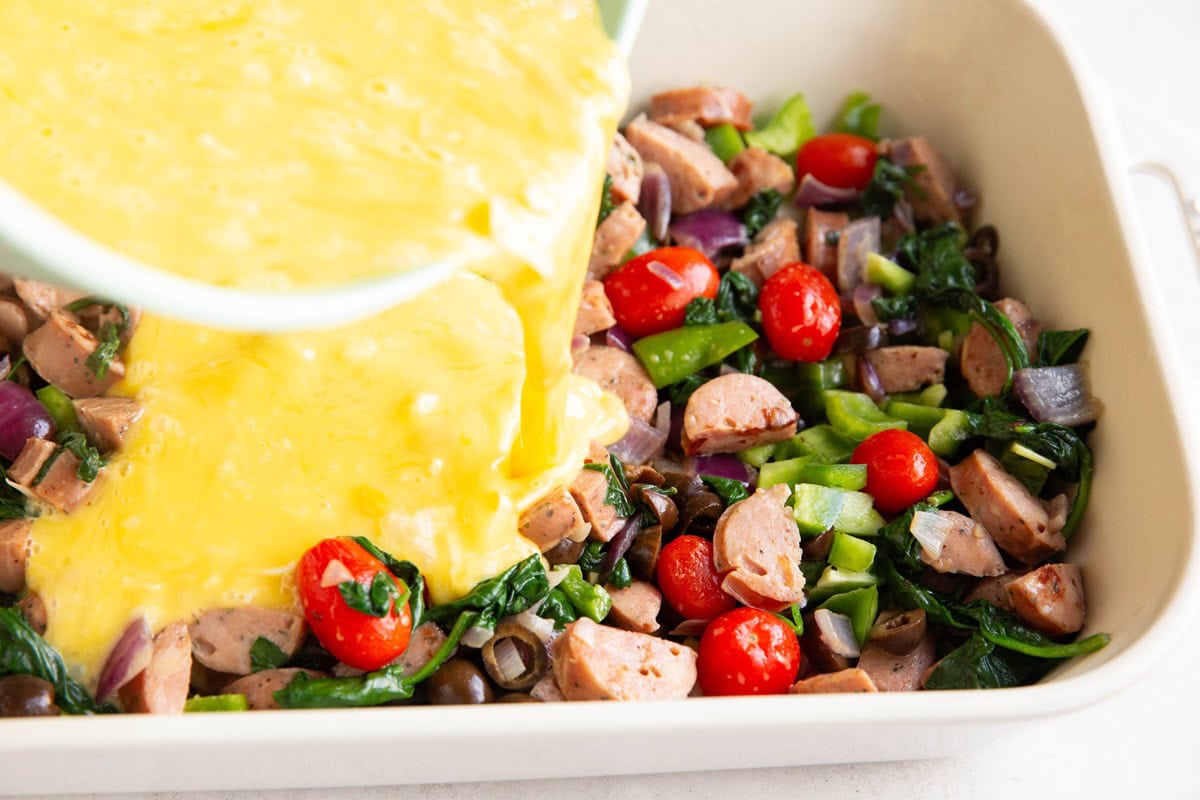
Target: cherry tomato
{"points": [[842, 160], [801, 312], [649, 293], [689, 581], [748, 651], [901, 469], [354, 637]]}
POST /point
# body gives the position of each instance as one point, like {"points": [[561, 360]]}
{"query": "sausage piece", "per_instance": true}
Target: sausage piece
{"points": [[553, 518], [43, 298], [981, 360], [907, 368], [61, 485], [708, 105], [622, 374], [773, 247], [1049, 599], [59, 350], [967, 550], [756, 546], [936, 200], [162, 687], [16, 541], [33, 608], [614, 237], [734, 412], [698, 178], [259, 688], [625, 167], [756, 170], [107, 420], [635, 607], [596, 662], [14, 321], [898, 673], [223, 637], [851, 680], [994, 590], [1018, 523], [589, 490], [595, 311], [822, 229]]}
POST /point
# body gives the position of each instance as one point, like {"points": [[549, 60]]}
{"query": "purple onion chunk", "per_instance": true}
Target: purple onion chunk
{"points": [[618, 337], [859, 339], [22, 417], [654, 200], [640, 444], [129, 656], [1062, 395], [813, 192], [861, 299], [722, 465], [858, 238], [619, 545], [710, 231]]}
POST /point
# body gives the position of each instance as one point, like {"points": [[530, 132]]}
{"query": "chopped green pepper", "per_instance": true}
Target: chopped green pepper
{"points": [[855, 415], [851, 553], [217, 702], [587, 600], [60, 408], [673, 355], [791, 127], [822, 442], [884, 272], [836, 581], [725, 141], [860, 605]]}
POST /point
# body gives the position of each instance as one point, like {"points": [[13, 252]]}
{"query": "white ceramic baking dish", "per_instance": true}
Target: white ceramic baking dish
{"points": [[993, 85]]}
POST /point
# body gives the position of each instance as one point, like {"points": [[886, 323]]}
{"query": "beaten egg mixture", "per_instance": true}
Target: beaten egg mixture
{"points": [[284, 143]]}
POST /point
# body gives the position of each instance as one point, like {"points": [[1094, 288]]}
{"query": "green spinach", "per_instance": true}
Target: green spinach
{"points": [[24, 652]]}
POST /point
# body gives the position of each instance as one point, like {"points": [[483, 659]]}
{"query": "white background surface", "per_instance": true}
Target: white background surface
{"points": [[1143, 742]]}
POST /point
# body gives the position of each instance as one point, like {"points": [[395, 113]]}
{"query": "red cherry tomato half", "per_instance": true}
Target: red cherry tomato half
{"points": [[801, 312], [838, 159], [901, 469], [748, 651], [650, 293], [689, 581], [354, 637]]}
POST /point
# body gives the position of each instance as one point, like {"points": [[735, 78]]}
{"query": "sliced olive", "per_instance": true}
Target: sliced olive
{"points": [[643, 553], [459, 682], [27, 696], [662, 506], [515, 657], [818, 650], [34, 609], [700, 513], [565, 552], [818, 549], [517, 697], [899, 634]]}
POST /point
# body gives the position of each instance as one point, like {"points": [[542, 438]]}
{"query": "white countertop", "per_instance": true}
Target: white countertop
{"points": [[1143, 741]]}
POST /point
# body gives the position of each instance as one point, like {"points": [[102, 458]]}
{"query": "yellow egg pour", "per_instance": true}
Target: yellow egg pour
{"points": [[292, 142]]}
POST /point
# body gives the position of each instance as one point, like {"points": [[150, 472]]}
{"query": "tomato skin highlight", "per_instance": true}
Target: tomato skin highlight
{"points": [[748, 651], [901, 469], [646, 303], [842, 160], [801, 312], [689, 581], [354, 638]]}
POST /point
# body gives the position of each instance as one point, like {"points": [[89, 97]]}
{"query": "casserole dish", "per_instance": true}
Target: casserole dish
{"points": [[992, 84]]}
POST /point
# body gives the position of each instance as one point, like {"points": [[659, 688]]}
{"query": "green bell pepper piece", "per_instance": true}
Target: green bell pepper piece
{"points": [[828, 374], [954, 429], [851, 553], [60, 408], [757, 456], [860, 605], [587, 599], [1028, 467], [837, 581], [217, 702], [933, 395], [816, 508], [791, 127], [822, 442], [894, 278], [725, 141], [920, 419], [856, 416], [673, 355], [858, 515]]}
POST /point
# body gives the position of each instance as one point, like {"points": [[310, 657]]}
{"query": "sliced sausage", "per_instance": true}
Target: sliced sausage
{"points": [[546, 690], [981, 360], [596, 662], [95, 317], [589, 490], [595, 311], [734, 412], [698, 178], [756, 546], [43, 298], [60, 485], [614, 237], [635, 607], [843, 681], [107, 420], [689, 128], [554, 517], [773, 247], [1049, 599], [16, 542], [756, 171], [14, 321], [29, 461], [936, 200], [898, 673], [967, 550], [993, 589], [426, 639], [907, 368], [1018, 523], [708, 105], [622, 374], [222, 637], [162, 687], [624, 166], [59, 350], [260, 688], [822, 229], [33, 608]]}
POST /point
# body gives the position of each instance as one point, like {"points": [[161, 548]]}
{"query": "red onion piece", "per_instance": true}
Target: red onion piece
{"points": [[861, 297], [710, 231], [860, 338], [1062, 395], [901, 327], [838, 632], [654, 201], [129, 656], [640, 443], [579, 344], [690, 627], [813, 192], [5, 366], [619, 545], [721, 465], [618, 337], [22, 416], [858, 238], [869, 378], [665, 274]]}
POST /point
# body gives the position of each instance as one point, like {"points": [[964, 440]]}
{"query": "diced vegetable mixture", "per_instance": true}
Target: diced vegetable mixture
{"points": [[853, 464]]}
